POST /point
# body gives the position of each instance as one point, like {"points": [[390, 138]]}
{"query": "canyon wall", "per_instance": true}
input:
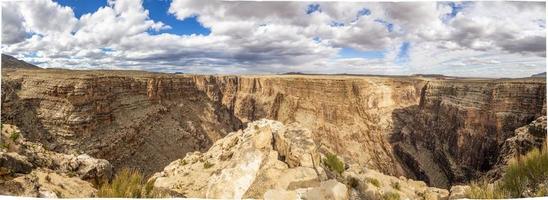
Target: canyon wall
{"points": [[142, 121], [437, 130], [456, 132]]}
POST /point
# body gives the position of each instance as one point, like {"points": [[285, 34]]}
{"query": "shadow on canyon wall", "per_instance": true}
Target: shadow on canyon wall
{"points": [[131, 131], [442, 145]]}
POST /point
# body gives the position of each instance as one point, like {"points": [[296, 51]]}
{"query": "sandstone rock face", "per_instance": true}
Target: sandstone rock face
{"points": [[459, 192], [330, 189], [47, 184], [348, 115], [245, 164], [142, 120], [27, 169], [371, 184], [456, 132], [440, 130]]}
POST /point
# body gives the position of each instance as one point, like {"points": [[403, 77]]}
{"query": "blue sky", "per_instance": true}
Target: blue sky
{"points": [[158, 11], [452, 38]]}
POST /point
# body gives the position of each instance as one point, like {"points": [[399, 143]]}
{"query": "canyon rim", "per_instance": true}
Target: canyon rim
{"points": [[273, 100]]}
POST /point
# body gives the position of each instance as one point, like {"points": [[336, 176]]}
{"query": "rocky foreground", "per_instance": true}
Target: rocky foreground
{"points": [[272, 161], [267, 160], [27, 169]]}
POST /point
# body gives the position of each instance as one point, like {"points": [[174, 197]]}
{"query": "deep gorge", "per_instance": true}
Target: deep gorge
{"points": [[442, 131]]}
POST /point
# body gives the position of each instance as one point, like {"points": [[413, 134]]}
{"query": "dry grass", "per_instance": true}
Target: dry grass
{"points": [[391, 196], [128, 183], [526, 176]]}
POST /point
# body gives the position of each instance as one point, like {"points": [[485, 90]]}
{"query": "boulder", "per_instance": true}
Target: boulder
{"points": [[279, 194], [245, 164], [296, 147], [11, 162], [328, 190], [459, 191], [371, 184]]}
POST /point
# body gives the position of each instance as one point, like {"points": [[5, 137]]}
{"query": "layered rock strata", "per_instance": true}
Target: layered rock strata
{"points": [[457, 131], [441, 130]]}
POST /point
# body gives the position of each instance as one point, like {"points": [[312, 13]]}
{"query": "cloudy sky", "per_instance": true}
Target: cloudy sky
{"points": [[488, 39]]}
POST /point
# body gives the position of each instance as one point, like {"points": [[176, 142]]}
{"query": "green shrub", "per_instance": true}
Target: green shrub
{"points": [[207, 164], [375, 182], [58, 193], [183, 162], [14, 135], [525, 176], [334, 164], [391, 196], [128, 183], [396, 185], [529, 172]]}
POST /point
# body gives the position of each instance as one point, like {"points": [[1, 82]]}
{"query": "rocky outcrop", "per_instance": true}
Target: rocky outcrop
{"points": [[328, 190], [47, 184], [371, 184], [27, 169], [250, 164], [245, 164], [524, 140]]}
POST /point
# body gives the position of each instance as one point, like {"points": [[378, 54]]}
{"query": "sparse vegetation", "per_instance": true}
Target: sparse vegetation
{"points": [[391, 196], [524, 177], [127, 183], [14, 135], [375, 182], [183, 162], [528, 173], [71, 174], [484, 190], [334, 164], [58, 193], [208, 165], [353, 182], [148, 187], [396, 185]]}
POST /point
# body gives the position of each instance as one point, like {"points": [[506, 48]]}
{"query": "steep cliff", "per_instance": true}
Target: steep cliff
{"points": [[140, 120], [347, 115], [440, 130], [456, 132]]}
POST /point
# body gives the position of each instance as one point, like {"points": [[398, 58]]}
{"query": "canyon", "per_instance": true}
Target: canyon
{"points": [[441, 130]]}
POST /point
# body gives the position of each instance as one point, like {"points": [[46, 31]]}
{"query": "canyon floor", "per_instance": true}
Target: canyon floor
{"points": [[263, 136]]}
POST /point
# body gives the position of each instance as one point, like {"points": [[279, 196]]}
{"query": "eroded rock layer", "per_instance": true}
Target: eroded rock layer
{"points": [[442, 131], [143, 121], [456, 132]]}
